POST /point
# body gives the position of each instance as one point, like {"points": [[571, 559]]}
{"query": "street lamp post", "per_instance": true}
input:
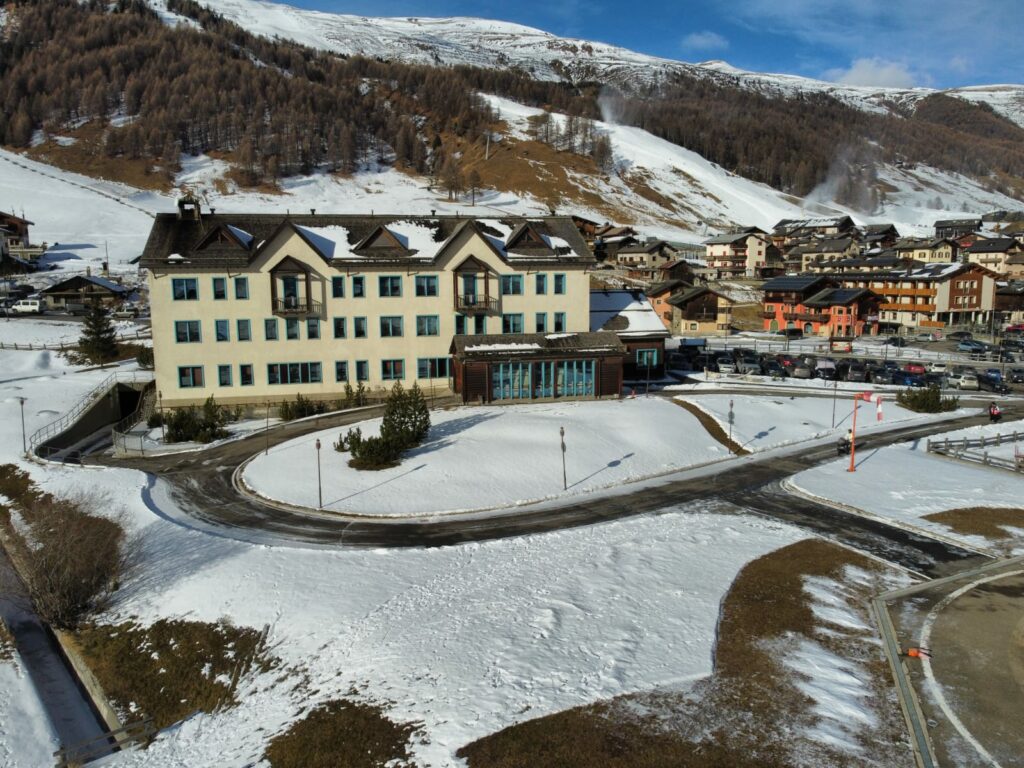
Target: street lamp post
{"points": [[163, 429], [565, 481], [319, 485], [266, 451], [24, 441]]}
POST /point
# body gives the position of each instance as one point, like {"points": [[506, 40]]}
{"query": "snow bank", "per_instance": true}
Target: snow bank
{"points": [[27, 740]]}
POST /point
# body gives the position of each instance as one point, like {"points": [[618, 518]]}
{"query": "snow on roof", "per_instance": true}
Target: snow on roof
{"points": [[627, 313], [415, 236], [244, 237], [554, 243], [511, 347], [331, 242]]}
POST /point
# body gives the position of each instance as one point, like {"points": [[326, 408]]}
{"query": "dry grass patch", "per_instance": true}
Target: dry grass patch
{"points": [[747, 317], [750, 712], [713, 427], [6, 642], [343, 734], [990, 522], [172, 668]]}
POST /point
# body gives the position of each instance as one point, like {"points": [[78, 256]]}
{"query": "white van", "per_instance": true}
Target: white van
{"points": [[27, 307]]}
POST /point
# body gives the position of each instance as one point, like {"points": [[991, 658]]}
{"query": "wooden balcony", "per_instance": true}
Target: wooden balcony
{"points": [[806, 317], [898, 307], [472, 304], [296, 307], [768, 315]]}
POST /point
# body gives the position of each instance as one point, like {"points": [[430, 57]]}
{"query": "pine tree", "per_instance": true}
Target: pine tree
{"points": [[98, 342]]}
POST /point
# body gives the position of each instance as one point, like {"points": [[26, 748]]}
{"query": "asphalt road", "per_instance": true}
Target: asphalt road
{"points": [[201, 485]]}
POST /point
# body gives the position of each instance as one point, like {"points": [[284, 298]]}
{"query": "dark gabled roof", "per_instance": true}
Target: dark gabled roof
{"points": [[880, 229], [668, 285], [650, 247], [836, 297], [73, 282], [730, 237], [793, 283], [975, 223], [993, 245], [366, 240], [12, 217], [790, 226], [532, 345], [684, 298]]}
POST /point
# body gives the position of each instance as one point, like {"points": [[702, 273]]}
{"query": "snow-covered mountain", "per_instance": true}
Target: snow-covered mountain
{"points": [[501, 45]]}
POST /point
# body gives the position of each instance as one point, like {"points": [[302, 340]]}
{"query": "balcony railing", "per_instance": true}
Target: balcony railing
{"points": [[291, 306], [807, 317], [473, 303]]}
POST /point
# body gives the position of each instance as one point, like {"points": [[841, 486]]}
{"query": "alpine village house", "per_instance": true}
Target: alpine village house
{"points": [[259, 308]]}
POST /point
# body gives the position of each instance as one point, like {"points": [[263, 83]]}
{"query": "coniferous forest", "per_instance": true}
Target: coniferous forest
{"points": [[277, 109]]}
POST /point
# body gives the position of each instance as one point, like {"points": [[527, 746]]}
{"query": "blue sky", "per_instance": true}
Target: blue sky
{"points": [[935, 43]]}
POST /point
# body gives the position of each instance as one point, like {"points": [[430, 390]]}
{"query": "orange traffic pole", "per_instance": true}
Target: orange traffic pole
{"points": [[853, 434]]}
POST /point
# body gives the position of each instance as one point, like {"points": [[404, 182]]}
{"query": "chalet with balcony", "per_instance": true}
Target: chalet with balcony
{"points": [[84, 290], [700, 311], [609, 239], [746, 253], [880, 236], [645, 260], [789, 231], [818, 306], [954, 229], [1009, 302], [937, 251], [659, 294], [994, 253]]}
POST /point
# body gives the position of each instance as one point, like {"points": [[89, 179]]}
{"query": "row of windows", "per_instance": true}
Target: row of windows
{"points": [[191, 376], [389, 286], [391, 326]]}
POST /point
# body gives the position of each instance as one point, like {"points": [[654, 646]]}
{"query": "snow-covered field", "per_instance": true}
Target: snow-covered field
{"points": [[488, 457], [27, 739], [903, 483]]}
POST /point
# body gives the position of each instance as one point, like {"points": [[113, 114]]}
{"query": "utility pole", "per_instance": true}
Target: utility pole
{"points": [[565, 481], [24, 442], [319, 485], [163, 429]]}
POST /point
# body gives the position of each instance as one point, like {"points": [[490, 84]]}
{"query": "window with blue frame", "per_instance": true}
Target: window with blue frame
{"points": [[559, 284], [220, 288], [358, 287], [244, 330], [337, 287], [362, 370], [511, 381], [224, 375], [512, 323], [460, 325], [270, 329], [312, 327], [339, 328], [559, 322], [390, 326], [426, 285], [190, 376], [291, 328], [341, 370], [647, 358], [389, 286], [511, 285], [428, 325], [540, 321], [222, 330], [187, 331], [185, 289], [241, 287], [245, 377], [433, 367], [542, 284], [392, 370], [293, 373], [359, 327]]}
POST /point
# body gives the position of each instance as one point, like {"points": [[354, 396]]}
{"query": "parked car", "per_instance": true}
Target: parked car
{"points": [[857, 372], [882, 376], [125, 312], [726, 364], [27, 307], [1016, 375], [968, 381], [969, 345], [904, 379], [1015, 328], [773, 368], [749, 364], [990, 383], [924, 338], [792, 333], [938, 367], [915, 368], [995, 373], [801, 370], [959, 335], [896, 341], [786, 361]]}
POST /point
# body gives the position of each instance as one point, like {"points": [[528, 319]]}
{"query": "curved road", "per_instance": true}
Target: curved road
{"points": [[201, 485]]}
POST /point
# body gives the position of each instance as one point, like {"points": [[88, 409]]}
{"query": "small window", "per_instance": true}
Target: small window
{"points": [[542, 284], [392, 370], [359, 327], [312, 327], [358, 287], [339, 328], [341, 370], [479, 325], [222, 331], [190, 376], [220, 288], [241, 287], [512, 323], [390, 326], [559, 322], [187, 331], [337, 287], [389, 285], [541, 322], [432, 367], [426, 285], [511, 285], [362, 370], [185, 288], [224, 375], [245, 375], [460, 325], [244, 330], [291, 328], [270, 328], [559, 284], [428, 325]]}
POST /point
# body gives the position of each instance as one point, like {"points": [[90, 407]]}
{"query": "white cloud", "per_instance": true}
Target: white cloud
{"points": [[705, 41], [874, 72]]}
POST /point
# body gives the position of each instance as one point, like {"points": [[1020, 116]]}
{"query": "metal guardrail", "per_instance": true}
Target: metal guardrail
{"points": [[972, 450], [144, 409], [86, 402]]}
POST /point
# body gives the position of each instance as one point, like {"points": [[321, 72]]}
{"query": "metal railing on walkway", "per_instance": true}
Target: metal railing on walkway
{"points": [[968, 449], [62, 346]]}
